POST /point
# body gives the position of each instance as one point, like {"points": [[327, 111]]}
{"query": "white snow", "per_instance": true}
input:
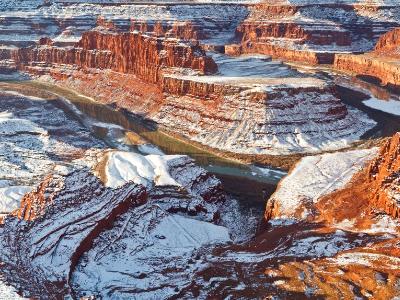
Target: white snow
{"points": [[148, 241], [390, 106], [366, 259], [8, 293], [10, 197], [316, 176], [123, 167], [149, 149], [10, 125], [291, 121], [201, 233], [260, 83], [32, 144], [381, 224]]}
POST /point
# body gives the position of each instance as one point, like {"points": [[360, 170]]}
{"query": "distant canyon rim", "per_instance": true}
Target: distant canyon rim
{"points": [[139, 138]]}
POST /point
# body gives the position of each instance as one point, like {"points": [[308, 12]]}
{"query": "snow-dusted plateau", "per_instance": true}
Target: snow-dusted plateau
{"points": [[199, 149]]}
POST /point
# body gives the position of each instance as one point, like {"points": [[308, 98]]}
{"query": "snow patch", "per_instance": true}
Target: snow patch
{"points": [[123, 167], [10, 197], [8, 293], [316, 176], [390, 106]]}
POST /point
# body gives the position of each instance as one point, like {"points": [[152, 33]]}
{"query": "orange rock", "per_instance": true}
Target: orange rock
{"points": [[374, 189], [382, 63], [133, 53]]}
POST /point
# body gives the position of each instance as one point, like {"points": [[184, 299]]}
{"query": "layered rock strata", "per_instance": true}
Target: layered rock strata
{"points": [[380, 64], [86, 212], [369, 186], [347, 193], [312, 33], [45, 239], [389, 43], [233, 108], [235, 113], [185, 30], [108, 50], [65, 22]]}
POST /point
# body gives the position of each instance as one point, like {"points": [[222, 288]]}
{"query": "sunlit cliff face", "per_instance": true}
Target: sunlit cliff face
{"points": [[91, 209]]}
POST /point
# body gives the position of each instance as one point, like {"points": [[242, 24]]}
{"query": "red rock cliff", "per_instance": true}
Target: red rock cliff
{"points": [[382, 63], [389, 43], [131, 52], [373, 190], [296, 32], [186, 30]]}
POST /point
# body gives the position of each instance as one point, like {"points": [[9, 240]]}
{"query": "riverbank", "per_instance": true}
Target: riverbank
{"points": [[169, 141]]}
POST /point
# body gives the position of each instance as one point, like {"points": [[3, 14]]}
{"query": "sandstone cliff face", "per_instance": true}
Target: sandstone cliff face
{"points": [[109, 50], [372, 191], [280, 51], [382, 63], [148, 55], [384, 178], [185, 30], [311, 33], [389, 43], [253, 31], [363, 190], [255, 115], [383, 68]]}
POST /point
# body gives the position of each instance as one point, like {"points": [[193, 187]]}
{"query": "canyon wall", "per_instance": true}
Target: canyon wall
{"points": [[311, 33], [384, 178], [185, 30], [356, 185], [389, 43], [282, 52], [381, 64], [132, 52], [46, 239], [247, 115], [384, 69]]}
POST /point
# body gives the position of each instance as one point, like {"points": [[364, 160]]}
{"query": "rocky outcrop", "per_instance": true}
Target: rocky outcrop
{"points": [[302, 33], [61, 220], [115, 51], [384, 69], [371, 269], [381, 64], [277, 51], [389, 43], [28, 247], [384, 178], [311, 33], [185, 30], [357, 192], [300, 195]]}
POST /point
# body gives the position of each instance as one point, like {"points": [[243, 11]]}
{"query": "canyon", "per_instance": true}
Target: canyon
{"points": [[199, 149], [381, 64], [183, 84], [313, 32]]}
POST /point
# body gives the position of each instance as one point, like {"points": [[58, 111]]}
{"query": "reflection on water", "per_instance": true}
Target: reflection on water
{"points": [[250, 184], [372, 89], [354, 92], [245, 182]]}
